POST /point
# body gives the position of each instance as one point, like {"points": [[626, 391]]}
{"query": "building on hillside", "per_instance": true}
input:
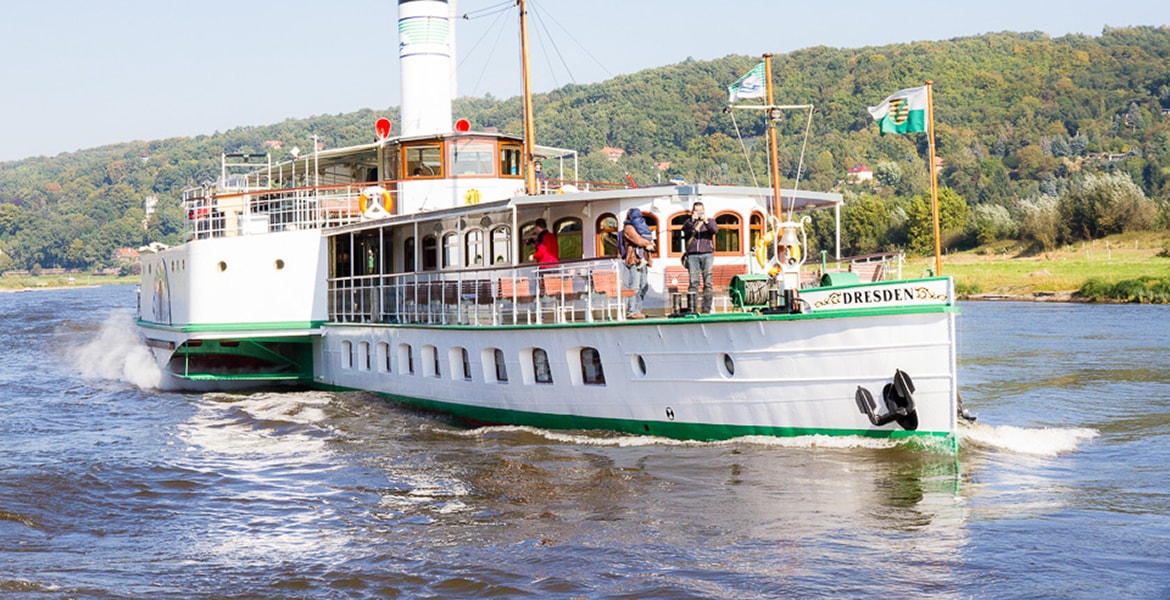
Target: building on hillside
{"points": [[274, 144], [125, 256], [859, 173], [613, 154], [149, 205]]}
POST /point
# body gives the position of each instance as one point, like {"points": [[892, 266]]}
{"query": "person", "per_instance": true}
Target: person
{"points": [[539, 171], [636, 245], [699, 231], [547, 251]]}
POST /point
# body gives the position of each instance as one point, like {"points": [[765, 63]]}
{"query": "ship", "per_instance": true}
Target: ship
{"points": [[406, 267]]}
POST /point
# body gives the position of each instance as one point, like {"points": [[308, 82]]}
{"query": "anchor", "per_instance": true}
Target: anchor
{"points": [[898, 398]]}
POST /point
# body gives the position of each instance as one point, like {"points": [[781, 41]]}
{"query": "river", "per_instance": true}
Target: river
{"points": [[112, 489]]}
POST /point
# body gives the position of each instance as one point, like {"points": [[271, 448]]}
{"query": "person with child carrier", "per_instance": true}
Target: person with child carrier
{"points": [[636, 244], [699, 230]]}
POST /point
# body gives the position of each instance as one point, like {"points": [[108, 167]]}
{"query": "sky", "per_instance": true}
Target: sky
{"points": [[77, 74]]}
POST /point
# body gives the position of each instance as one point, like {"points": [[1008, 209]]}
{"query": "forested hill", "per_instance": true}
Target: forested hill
{"points": [[1020, 116]]}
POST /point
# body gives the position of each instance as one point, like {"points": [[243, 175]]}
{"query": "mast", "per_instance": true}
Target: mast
{"points": [[773, 115], [529, 128], [933, 179]]}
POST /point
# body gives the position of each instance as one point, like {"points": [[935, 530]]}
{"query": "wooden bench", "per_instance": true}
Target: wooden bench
{"points": [[605, 283]]}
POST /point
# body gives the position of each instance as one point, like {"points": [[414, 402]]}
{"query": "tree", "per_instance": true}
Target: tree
{"points": [[952, 210], [1099, 205]]}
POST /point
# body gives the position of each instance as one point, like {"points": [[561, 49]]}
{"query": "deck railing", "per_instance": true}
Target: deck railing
{"points": [[228, 211], [578, 291]]}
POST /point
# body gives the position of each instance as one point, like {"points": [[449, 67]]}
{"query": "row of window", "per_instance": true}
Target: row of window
{"points": [[534, 363], [494, 246], [482, 157]]}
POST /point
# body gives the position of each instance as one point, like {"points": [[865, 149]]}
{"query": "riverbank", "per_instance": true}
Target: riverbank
{"points": [[1004, 272], [50, 282]]}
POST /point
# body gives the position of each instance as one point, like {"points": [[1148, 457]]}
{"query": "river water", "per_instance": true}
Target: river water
{"points": [[112, 489]]}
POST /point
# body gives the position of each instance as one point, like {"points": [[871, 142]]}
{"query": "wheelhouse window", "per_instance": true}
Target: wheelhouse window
{"points": [[423, 161], [430, 257], [470, 157], [727, 239], [511, 164], [541, 370], [501, 240], [607, 232], [568, 232], [450, 250], [473, 248], [591, 370]]}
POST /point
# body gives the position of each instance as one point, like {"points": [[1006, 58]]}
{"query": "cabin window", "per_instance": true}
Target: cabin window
{"points": [[511, 163], [406, 358], [678, 241], [364, 355], [346, 355], [568, 232], [460, 363], [541, 370], [501, 245], [607, 232], [390, 166], [591, 371], [474, 247], [408, 255], [430, 250], [384, 357], [652, 223], [501, 366], [430, 356], [450, 250], [470, 157], [727, 239], [422, 161], [755, 229]]}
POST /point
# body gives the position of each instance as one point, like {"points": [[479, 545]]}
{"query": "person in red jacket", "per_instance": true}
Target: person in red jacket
{"points": [[546, 244]]}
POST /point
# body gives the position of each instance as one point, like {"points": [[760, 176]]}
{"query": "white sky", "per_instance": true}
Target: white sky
{"points": [[81, 73]]}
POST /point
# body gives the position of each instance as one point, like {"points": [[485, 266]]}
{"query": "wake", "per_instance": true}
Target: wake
{"points": [[1025, 440]]}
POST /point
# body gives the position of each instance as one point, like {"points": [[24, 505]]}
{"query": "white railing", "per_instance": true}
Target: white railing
{"points": [[579, 291], [222, 211]]}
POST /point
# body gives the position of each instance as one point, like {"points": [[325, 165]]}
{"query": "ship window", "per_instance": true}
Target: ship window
{"points": [[470, 157], [430, 356], [384, 357], [364, 355], [568, 232], [460, 363], [346, 355], [408, 255], [501, 367], [652, 223], [607, 232], [501, 245], [406, 357], [542, 371], [430, 250], [755, 229], [678, 241], [591, 371], [222, 266], [639, 364], [450, 250], [511, 164], [727, 239], [423, 161], [279, 264], [474, 248], [728, 365]]}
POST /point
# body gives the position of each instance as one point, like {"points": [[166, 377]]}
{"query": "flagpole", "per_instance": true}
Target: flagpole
{"points": [[772, 152], [933, 179], [530, 184]]}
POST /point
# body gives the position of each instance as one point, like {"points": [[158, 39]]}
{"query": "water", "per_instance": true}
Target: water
{"points": [[111, 489]]}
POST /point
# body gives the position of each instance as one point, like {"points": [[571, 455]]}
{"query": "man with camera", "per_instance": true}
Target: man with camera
{"points": [[699, 231], [545, 241]]}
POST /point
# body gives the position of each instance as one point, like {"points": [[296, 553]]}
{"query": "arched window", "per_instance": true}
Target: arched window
{"points": [[652, 223], [542, 371], [501, 367], [591, 371], [755, 229], [364, 356], [346, 355], [408, 255], [450, 250], [527, 248], [678, 242], [501, 241], [607, 232], [460, 363], [384, 357], [430, 250], [406, 358], [568, 232], [474, 248], [728, 238]]}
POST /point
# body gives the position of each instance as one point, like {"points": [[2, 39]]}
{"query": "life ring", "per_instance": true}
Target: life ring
{"points": [[373, 192]]}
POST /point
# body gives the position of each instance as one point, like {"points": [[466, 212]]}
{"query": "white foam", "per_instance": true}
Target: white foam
{"points": [[1041, 441], [117, 353], [628, 441]]}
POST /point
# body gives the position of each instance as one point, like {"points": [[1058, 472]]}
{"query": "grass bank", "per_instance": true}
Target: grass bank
{"points": [[29, 282], [1119, 261]]}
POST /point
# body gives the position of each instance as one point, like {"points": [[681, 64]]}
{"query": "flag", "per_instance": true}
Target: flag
{"points": [[748, 86], [902, 112]]}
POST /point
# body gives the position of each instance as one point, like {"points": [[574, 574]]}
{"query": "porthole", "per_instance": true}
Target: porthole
{"points": [[279, 264], [728, 365], [222, 266], [639, 365]]}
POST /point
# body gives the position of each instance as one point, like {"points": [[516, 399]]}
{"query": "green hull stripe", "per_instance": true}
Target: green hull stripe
{"points": [[668, 429], [230, 327], [250, 377]]}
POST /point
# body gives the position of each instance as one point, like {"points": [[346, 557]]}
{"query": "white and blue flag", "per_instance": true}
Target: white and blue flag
{"points": [[750, 85]]}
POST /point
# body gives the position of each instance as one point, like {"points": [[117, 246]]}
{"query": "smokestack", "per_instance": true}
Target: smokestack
{"points": [[426, 41]]}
